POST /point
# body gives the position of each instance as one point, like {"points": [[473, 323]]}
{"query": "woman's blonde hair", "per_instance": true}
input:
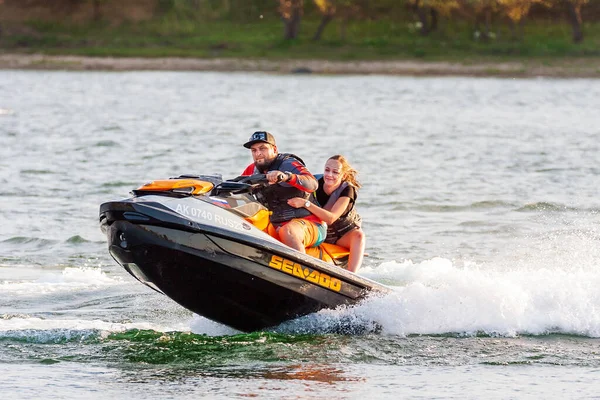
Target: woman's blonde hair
{"points": [[350, 174]]}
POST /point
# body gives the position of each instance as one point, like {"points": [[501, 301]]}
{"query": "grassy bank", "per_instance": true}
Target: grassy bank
{"points": [[363, 40]]}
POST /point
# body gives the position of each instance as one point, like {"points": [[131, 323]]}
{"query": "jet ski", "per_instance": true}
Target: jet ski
{"points": [[204, 243]]}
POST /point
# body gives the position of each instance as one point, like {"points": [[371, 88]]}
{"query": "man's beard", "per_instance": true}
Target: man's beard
{"points": [[264, 165]]}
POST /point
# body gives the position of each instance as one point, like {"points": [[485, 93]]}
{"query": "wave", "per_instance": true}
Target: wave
{"points": [[117, 184], [77, 240], [38, 330], [486, 205], [41, 243], [438, 297], [555, 207], [107, 143], [152, 346], [32, 241], [70, 279], [110, 128], [475, 206], [546, 206], [275, 355], [37, 172]]}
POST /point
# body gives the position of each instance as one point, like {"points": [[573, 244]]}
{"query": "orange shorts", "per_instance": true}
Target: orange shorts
{"points": [[314, 232]]}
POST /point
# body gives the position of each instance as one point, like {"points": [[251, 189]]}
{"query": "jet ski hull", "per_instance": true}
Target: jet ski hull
{"points": [[244, 290], [205, 251]]}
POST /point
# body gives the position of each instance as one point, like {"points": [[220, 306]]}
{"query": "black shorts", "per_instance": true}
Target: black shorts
{"points": [[334, 236]]}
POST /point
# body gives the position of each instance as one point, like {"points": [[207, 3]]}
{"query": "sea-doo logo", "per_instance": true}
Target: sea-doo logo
{"points": [[308, 274]]}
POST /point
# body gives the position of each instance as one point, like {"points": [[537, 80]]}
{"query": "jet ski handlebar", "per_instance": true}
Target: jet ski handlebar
{"points": [[256, 180], [253, 179], [243, 184]]}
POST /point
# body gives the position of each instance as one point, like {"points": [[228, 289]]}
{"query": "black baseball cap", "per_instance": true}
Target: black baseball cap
{"points": [[260, 136]]}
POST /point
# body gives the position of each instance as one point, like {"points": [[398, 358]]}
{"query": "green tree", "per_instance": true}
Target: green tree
{"points": [[480, 11], [575, 17], [329, 9], [97, 9], [428, 12], [517, 10], [291, 14], [1, 2]]}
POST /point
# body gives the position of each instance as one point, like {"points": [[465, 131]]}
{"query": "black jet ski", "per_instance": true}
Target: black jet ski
{"points": [[201, 241]]}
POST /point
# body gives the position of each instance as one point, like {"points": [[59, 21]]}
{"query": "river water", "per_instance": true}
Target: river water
{"points": [[479, 201]]}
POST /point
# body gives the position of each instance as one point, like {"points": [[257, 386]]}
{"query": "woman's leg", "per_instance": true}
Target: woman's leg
{"points": [[355, 242]]}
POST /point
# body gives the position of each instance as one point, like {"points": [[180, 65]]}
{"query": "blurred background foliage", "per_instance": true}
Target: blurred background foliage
{"points": [[322, 29]]}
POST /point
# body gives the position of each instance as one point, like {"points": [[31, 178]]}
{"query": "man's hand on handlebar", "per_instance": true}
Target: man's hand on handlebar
{"points": [[277, 176]]}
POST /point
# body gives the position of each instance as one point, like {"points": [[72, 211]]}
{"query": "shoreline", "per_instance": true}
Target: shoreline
{"points": [[564, 68]]}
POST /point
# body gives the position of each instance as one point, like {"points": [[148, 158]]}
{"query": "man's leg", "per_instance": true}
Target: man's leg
{"points": [[292, 234]]}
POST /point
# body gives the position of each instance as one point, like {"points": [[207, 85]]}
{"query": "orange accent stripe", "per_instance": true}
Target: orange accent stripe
{"points": [[194, 186]]}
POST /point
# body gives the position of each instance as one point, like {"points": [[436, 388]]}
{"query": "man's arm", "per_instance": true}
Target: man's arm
{"points": [[300, 177]]}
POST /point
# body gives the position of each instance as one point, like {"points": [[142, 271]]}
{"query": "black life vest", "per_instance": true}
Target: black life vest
{"points": [[345, 223], [275, 197]]}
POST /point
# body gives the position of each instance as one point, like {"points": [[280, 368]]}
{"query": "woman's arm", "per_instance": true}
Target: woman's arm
{"points": [[329, 217]]}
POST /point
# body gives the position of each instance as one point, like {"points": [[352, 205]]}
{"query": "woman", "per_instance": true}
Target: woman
{"points": [[337, 193]]}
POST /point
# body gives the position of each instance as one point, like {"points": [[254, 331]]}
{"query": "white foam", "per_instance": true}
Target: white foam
{"points": [[437, 297]]}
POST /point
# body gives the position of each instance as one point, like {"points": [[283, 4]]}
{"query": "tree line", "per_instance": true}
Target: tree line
{"points": [[480, 13], [427, 14]]}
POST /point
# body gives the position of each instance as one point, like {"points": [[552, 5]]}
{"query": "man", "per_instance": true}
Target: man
{"points": [[288, 178]]}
